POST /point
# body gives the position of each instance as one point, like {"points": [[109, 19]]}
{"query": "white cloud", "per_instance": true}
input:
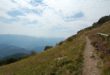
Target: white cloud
{"points": [[47, 18], [6, 5], [23, 3]]}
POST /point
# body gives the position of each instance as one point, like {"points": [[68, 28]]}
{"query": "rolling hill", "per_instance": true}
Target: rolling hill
{"points": [[8, 50], [27, 42], [67, 57]]}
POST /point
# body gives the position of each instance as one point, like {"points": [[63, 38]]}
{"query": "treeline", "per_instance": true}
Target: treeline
{"points": [[14, 58]]}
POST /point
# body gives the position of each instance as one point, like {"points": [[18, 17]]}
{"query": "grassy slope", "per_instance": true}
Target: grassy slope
{"points": [[64, 59], [103, 46]]}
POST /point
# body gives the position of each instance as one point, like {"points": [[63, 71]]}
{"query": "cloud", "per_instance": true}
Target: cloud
{"points": [[36, 2], [8, 20], [50, 18], [15, 13], [73, 17], [78, 15]]}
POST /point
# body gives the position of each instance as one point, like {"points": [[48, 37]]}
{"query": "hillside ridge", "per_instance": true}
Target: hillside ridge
{"points": [[67, 57]]}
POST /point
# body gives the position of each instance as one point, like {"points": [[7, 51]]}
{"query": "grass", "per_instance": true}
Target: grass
{"points": [[102, 46], [64, 59]]}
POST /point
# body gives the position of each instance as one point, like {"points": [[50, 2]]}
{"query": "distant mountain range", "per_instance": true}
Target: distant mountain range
{"points": [[68, 57], [9, 50], [27, 42]]}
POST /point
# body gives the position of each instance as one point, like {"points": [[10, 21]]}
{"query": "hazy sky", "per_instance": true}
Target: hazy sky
{"points": [[50, 18]]}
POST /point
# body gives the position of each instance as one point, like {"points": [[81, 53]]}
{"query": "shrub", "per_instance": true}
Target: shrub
{"points": [[60, 43], [104, 19], [71, 38], [47, 47], [101, 21], [33, 52]]}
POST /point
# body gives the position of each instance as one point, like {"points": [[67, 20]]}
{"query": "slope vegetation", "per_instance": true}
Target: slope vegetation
{"points": [[102, 45], [67, 57]]}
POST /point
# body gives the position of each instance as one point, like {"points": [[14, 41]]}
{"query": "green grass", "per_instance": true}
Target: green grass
{"points": [[64, 59]]}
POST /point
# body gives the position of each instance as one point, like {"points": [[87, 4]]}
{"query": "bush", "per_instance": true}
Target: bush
{"points": [[33, 53], [60, 43], [47, 47], [71, 38], [104, 19], [101, 21]]}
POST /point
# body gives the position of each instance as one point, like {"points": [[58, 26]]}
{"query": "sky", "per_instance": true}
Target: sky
{"points": [[50, 18]]}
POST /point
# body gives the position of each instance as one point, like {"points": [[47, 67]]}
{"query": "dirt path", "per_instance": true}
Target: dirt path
{"points": [[90, 60]]}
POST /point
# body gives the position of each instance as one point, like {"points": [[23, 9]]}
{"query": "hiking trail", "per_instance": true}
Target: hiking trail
{"points": [[90, 60]]}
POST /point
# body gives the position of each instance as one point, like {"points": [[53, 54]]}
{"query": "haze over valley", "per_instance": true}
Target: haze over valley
{"points": [[54, 37]]}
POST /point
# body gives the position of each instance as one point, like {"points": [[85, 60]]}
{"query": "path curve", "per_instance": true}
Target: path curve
{"points": [[90, 60]]}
